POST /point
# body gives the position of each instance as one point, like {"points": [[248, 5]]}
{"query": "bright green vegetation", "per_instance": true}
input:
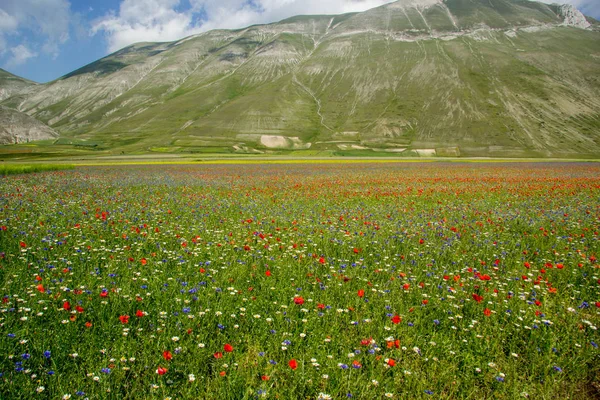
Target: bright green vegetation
{"points": [[12, 169], [375, 280]]}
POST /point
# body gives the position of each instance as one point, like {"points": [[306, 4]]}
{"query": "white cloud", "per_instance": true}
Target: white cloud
{"points": [[143, 21], [160, 20], [20, 54], [44, 22]]}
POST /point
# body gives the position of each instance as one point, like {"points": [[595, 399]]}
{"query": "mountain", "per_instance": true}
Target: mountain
{"points": [[454, 77], [11, 85], [18, 127]]}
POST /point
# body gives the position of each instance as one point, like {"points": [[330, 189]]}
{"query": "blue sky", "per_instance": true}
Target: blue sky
{"points": [[42, 40]]}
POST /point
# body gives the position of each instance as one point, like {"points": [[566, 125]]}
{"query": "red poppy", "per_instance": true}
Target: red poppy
{"points": [[477, 297], [23, 244], [79, 309], [355, 250], [228, 348], [293, 364], [299, 300], [222, 373], [487, 312], [218, 354], [598, 304], [40, 288], [161, 370], [396, 319], [268, 273], [124, 319], [144, 261], [526, 264], [139, 313], [405, 286], [322, 260], [560, 266], [67, 305], [361, 293], [88, 324], [321, 306], [425, 302], [391, 362], [265, 377], [104, 293], [421, 241], [167, 355]]}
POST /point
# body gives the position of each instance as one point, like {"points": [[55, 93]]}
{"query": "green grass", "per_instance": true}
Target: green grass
{"points": [[305, 261], [13, 169]]}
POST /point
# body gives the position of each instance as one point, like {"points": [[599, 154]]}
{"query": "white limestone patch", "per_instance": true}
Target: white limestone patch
{"points": [[425, 152], [283, 142]]}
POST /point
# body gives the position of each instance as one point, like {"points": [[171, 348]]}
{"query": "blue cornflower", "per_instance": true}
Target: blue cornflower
{"points": [[428, 392], [105, 370], [47, 354], [557, 368]]}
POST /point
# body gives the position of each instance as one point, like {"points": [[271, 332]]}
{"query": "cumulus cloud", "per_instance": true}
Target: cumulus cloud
{"points": [[167, 20], [19, 55], [143, 21], [47, 21]]}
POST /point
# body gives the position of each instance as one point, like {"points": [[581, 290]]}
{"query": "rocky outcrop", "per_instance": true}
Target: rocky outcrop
{"points": [[17, 127], [573, 17]]}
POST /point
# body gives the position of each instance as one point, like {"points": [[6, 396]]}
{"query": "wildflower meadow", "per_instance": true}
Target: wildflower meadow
{"points": [[301, 281]]}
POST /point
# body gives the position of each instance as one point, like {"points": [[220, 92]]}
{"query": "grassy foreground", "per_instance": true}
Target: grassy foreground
{"points": [[370, 280]]}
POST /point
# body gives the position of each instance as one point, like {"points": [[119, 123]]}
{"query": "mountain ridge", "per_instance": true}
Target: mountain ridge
{"points": [[455, 77]]}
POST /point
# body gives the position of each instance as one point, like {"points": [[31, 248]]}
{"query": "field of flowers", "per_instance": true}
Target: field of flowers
{"points": [[363, 281]]}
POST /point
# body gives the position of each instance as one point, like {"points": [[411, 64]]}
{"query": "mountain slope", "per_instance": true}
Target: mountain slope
{"points": [[17, 127], [11, 85], [493, 77]]}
